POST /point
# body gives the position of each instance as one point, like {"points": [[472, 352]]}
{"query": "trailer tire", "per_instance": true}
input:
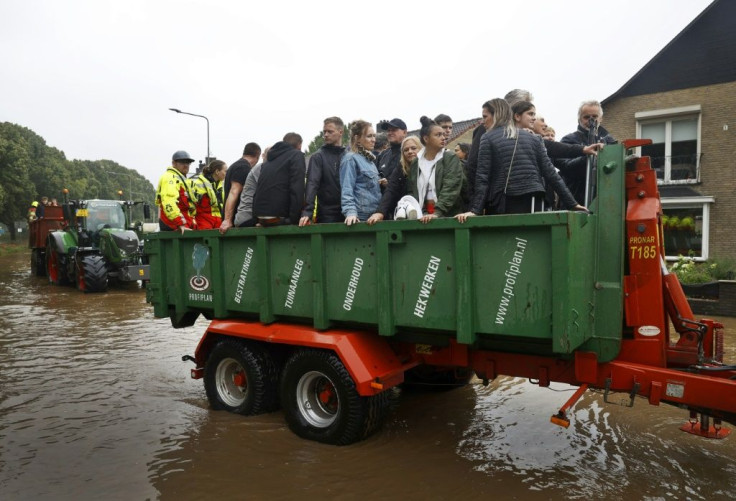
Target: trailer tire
{"points": [[241, 378], [55, 268], [321, 403], [91, 274], [38, 262]]}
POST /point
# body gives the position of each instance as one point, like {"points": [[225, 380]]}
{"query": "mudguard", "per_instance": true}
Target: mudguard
{"points": [[61, 241]]}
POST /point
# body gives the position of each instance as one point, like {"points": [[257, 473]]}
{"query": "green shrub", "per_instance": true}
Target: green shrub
{"points": [[723, 269], [690, 271]]}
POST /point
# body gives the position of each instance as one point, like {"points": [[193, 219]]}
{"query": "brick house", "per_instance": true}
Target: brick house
{"points": [[462, 131], [684, 99]]}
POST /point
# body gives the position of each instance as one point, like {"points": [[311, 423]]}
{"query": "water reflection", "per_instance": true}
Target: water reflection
{"points": [[608, 451], [88, 386]]}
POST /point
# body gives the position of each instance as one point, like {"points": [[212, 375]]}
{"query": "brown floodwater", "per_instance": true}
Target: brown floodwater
{"points": [[95, 403]]}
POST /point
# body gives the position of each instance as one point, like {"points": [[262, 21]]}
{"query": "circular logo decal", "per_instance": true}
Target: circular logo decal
{"points": [[648, 330], [199, 283]]}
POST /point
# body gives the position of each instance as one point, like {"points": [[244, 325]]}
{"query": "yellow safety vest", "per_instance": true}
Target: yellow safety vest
{"points": [[202, 186], [174, 198]]}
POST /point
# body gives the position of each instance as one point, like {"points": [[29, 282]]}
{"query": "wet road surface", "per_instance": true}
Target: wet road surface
{"points": [[95, 403]]}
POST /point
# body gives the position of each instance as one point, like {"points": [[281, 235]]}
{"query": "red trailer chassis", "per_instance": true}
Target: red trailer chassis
{"points": [[665, 354]]}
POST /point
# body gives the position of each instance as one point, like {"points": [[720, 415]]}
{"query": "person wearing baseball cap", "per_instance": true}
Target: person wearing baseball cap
{"points": [[173, 196], [388, 160]]}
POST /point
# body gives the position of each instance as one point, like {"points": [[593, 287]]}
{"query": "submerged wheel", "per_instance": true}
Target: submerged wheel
{"points": [[241, 378], [321, 402], [38, 262], [54, 267], [91, 274]]}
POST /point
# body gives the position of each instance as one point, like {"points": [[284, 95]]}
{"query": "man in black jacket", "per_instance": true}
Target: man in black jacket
{"points": [[471, 164], [323, 177], [389, 159], [280, 189], [573, 170]]}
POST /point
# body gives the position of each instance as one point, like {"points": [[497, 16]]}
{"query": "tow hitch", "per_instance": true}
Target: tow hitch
{"points": [[197, 373]]}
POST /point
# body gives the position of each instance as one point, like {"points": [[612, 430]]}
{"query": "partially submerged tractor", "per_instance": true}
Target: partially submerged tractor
{"points": [[96, 243], [323, 320]]}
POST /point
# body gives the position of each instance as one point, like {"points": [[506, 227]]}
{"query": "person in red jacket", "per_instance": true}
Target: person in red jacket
{"points": [[173, 196], [207, 195]]}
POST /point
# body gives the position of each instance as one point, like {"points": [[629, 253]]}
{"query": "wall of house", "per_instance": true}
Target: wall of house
{"points": [[725, 305], [718, 148]]}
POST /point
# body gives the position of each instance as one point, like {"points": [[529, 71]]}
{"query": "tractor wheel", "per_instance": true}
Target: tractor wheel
{"points": [[241, 378], [91, 274], [321, 402], [54, 267], [38, 262]]}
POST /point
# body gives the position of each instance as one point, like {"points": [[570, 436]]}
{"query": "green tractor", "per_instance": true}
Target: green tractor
{"points": [[97, 244]]}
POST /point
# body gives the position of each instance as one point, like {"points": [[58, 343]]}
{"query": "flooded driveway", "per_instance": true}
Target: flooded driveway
{"points": [[95, 403]]}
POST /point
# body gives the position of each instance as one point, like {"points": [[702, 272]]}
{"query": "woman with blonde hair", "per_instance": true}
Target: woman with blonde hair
{"points": [[359, 188], [513, 166], [433, 180], [410, 147]]}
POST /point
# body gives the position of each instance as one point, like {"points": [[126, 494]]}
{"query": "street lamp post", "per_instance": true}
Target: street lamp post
{"points": [[208, 128]]}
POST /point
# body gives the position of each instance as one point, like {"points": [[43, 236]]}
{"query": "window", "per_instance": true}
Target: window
{"points": [[102, 213], [686, 227], [675, 134]]}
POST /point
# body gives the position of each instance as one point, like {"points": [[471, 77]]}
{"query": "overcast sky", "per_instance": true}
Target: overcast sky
{"points": [[96, 78]]}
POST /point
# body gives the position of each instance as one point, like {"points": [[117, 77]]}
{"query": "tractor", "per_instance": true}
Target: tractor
{"points": [[97, 243]]}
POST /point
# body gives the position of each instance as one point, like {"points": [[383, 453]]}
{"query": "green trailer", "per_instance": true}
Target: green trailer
{"points": [[518, 280], [539, 295]]}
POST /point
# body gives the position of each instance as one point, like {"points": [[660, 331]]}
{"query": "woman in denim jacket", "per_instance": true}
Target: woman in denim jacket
{"points": [[360, 191]]}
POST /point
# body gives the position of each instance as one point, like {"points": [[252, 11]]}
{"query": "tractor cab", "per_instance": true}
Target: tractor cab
{"points": [[104, 222], [91, 219], [104, 214]]}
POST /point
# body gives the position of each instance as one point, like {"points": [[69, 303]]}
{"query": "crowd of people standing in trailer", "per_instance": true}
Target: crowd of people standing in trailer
{"points": [[513, 165]]}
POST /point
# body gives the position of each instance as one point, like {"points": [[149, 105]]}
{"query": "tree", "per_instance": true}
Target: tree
{"points": [[111, 177], [2, 196], [48, 170], [316, 144], [30, 169], [14, 181]]}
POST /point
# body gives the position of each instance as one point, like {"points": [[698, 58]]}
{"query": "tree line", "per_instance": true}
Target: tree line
{"points": [[30, 169]]}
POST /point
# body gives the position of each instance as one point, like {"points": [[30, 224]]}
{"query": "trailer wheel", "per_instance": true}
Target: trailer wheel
{"points": [[241, 378], [38, 262], [54, 267], [91, 274], [321, 402]]}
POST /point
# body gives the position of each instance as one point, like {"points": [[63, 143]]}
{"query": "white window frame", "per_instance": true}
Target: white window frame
{"points": [[666, 115], [693, 203]]}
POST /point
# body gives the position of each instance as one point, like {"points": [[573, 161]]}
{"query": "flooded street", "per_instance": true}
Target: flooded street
{"points": [[95, 403]]}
